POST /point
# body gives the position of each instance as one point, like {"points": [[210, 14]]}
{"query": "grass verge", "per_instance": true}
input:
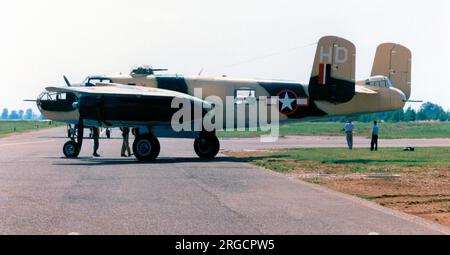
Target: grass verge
{"points": [[387, 130], [11, 127]]}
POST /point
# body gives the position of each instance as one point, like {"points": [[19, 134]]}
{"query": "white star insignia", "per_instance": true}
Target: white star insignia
{"points": [[287, 102]]}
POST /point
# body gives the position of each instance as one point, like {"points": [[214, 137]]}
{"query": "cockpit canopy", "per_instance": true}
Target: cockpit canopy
{"points": [[379, 81], [91, 81]]}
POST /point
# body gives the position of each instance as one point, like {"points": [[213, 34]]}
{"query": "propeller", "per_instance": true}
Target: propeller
{"points": [[67, 81]]}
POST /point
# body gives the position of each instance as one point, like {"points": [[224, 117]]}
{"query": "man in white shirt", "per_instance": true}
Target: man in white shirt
{"points": [[349, 133]]}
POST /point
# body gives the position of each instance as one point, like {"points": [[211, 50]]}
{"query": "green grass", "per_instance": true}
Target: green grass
{"points": [[334, 160], [387, 130], [9, 127]]}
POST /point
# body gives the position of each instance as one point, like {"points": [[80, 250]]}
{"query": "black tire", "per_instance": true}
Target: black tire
{"points": [[207, 147], [71, 149], [146, 147]]}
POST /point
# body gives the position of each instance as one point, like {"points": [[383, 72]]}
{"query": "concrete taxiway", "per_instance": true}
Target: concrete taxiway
{"points": [[43, 193]]}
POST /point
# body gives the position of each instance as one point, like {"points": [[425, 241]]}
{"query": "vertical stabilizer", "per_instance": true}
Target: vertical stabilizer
{"points": [[333, 75], [394, 61]]}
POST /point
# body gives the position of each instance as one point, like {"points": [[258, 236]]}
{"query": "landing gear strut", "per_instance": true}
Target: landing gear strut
{"points": [[146, 147], [207, 146], [72, 148]]}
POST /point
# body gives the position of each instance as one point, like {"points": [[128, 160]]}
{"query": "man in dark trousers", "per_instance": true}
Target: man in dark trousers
{"points": [[374, 142], [125, 142], [95, 136]]}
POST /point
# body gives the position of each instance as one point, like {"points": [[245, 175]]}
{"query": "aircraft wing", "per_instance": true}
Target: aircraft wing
{"points": [[112, 89], [364, 90]]}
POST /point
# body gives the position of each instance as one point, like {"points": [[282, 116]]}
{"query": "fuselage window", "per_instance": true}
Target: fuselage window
{"points": [[245, 96], [62, 96]]}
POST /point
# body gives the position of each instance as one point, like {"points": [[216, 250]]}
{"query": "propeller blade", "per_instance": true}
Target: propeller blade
{"points": [[67, 81]]}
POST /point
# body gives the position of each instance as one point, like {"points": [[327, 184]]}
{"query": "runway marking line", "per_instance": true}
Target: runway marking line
{"points": [[25, 143]]}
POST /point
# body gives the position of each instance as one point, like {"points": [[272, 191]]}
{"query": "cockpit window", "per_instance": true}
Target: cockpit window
{"points": [[61, 96], [388, 83], [92, 81], [378, 81]]}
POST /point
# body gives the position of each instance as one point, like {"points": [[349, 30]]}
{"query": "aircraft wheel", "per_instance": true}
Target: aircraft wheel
{"points": [[71, 149], [146, 147], [207, 147]]}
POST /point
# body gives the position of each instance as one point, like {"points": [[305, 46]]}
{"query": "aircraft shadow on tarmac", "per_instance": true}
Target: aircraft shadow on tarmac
{"points": [[89, 161]]}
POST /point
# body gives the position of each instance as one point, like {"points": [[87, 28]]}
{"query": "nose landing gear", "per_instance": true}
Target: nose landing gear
{"points": [[72, 148]]}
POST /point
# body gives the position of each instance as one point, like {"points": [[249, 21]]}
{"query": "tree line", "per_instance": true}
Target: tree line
{"points": [[28, 114], [427, 111]]}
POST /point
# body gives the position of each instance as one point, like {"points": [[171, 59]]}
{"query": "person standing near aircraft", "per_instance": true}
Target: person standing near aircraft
{"points": [[374, 142], [348, 129], [108, 133], [95, 136], [125, 143]]}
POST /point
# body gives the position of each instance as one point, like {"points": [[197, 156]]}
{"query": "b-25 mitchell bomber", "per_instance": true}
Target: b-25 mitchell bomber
{"points": [[145, 101]]}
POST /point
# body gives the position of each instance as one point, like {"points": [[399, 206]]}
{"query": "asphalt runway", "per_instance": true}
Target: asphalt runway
{"points": [[43, 193]]}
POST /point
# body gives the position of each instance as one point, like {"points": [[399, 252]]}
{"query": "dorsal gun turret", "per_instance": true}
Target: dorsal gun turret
{"points": [[144, 71]]}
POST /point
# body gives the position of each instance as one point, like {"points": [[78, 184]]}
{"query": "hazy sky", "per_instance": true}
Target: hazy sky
{"points": [[42, 40]]}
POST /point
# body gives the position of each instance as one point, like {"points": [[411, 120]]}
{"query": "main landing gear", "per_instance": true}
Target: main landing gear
{"points": [[146, 147], [207, 145]]}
